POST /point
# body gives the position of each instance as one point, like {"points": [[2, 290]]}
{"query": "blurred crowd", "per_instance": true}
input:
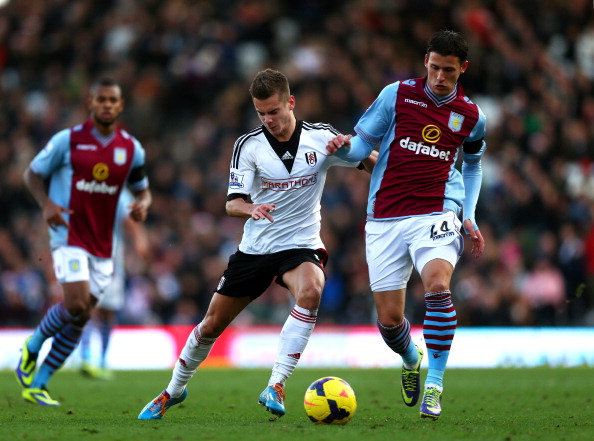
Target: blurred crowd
{"points": [[185, 67]]}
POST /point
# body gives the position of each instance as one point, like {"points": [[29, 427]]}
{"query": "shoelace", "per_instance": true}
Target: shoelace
{"points": [[159, 404], [410, 383], [432, 397], [280, 392]]}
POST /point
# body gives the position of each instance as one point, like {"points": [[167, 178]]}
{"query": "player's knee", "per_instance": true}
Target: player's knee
{"points": [[437, 286], [309, 297], [79, 310], [212, 328], [391, 319]]}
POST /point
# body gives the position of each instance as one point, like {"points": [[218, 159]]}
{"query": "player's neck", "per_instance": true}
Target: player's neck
{"points": [[105, 130]]}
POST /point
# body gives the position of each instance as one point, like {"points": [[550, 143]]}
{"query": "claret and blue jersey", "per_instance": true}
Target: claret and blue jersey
{"points": [[421, 136], [87, 173]]}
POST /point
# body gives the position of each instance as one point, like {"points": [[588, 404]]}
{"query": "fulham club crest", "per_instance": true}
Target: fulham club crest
{"points": [[311, 158]]}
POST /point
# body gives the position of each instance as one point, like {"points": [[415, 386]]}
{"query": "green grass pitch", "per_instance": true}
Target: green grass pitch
{"points": [[483, 405]]}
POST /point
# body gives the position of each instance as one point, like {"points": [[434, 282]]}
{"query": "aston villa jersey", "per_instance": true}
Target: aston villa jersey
{"points": [[420, 136], [87, 175], [290, 175]]}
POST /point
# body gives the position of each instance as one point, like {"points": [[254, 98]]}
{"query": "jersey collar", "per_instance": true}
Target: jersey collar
{"points": [[441, 100]]}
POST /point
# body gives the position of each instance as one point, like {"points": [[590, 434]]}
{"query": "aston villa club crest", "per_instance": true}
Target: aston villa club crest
{"points": [[119, 156], [74, 265], [455, 122], [311, 158]]}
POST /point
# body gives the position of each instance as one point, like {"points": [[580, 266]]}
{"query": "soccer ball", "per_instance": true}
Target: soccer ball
{"points": [[330, 400]]}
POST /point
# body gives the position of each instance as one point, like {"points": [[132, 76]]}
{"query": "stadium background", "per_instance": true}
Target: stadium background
{"points": [[185, 67]]}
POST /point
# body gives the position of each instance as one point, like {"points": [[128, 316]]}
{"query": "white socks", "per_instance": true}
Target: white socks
{"points": [[194, 352], [293, 340]]}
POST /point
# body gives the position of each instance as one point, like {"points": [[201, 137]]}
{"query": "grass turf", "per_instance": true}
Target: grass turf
{"points": [[487, 404]]}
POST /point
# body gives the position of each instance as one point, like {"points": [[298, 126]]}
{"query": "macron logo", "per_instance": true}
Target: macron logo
{"points": [[420, 148], [86, 147], [296, 356], [416, 103]]}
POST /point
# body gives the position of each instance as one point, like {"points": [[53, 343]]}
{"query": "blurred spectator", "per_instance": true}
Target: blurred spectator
{"points": [[544, 291]]}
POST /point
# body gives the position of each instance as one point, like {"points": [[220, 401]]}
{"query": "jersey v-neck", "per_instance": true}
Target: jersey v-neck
{"points": [[286, 150]]}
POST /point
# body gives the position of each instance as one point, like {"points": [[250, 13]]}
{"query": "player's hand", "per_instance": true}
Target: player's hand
{"points": [[262, 211], [138, 210], [52, 213], [478, 243], [338, 142]]}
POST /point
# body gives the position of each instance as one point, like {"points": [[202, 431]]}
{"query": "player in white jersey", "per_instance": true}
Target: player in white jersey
{"points": [[277, 176]]}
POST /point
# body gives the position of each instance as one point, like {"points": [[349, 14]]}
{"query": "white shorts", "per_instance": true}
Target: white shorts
{"points": [[394, 246], [113, 296], [73, 264]]}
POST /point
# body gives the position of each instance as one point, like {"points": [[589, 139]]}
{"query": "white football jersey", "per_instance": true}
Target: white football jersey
{"points": [[289, 174]]}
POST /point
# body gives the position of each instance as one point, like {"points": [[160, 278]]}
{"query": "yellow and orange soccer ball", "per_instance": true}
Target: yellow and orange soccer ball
{"points": [[330, 400]]}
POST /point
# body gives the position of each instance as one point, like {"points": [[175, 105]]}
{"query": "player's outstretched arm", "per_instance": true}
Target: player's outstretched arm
{"points": [[478, 243], [241, 208], [338, 142], [349, 148]]}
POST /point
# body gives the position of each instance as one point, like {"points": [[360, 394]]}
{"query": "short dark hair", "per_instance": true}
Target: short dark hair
{"points": [[448, 43], [268, 82], [104, 82]]}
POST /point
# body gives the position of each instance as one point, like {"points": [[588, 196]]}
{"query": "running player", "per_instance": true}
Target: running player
{"points": [[277, 176], [87, 166], [415, 197]]}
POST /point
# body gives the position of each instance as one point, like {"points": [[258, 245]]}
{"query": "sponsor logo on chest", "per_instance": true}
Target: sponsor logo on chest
{"points": [[96, 187], [289, 183], [430, 134], [100, 173]]}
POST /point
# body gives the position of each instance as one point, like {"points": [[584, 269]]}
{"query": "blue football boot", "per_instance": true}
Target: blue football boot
{"points": [[431, 405], [273, 398], [157, 408]]}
